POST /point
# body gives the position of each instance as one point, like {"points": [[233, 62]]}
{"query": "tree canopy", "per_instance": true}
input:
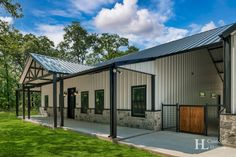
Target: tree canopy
{"points": [[14, 9], [90, 48]]}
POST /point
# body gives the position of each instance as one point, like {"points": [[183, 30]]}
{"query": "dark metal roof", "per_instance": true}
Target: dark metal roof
{"points": [[59, 66], [188, 43]]}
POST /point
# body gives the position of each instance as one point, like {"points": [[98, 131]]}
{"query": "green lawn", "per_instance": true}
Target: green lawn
{"points": [[19, 138]]}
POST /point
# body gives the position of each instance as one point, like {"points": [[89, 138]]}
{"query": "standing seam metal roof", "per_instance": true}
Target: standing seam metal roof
{"points": [[59, 66], [187, 43]]}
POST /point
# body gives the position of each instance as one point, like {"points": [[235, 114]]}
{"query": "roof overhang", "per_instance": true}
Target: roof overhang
{"points": [[39, 69], [35, 74], [119, 64], [228, 32]]}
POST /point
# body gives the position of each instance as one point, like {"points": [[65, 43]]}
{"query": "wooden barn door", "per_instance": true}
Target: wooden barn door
{"points": [[192, 119]]}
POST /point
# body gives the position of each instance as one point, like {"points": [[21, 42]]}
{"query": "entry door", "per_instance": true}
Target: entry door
{"points": [[71, 103]]}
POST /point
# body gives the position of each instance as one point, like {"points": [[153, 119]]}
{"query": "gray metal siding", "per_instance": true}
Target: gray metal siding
{"points": [[82, 83], [179, 79], [233, 73], [125, 81]]}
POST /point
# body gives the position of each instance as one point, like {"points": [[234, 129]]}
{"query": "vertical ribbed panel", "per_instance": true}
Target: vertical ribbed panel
{"points": [[233, 74], [125, 81], [179, 79], [182, 77], [83, 83], [146, 67]]}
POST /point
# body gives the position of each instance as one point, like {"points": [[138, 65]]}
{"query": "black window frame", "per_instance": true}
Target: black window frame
{"points": [[82, 108], [133, 114], [96, 110], [46, 106]]}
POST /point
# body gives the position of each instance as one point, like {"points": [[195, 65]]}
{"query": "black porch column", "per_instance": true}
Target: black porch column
{"points": [[113, 102], [23, 101], [153, 87], [17, 103], [227, 74], [28, 94], [62, 101], [55, 99]]}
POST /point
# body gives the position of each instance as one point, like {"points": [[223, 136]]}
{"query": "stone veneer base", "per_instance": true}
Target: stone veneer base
{"points": [[228, 129], [151, 121]]}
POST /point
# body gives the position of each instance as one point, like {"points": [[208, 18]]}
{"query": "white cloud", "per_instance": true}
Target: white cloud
{"points": [[63, 13], [7, 19], [194, 28], [165, 9], [197, 28], [53, 32], [221, 22], [89, 6], [208, 26], [171, 34], [141, 26]]}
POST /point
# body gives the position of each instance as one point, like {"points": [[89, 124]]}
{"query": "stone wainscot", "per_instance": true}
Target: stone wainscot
{"points": [[228, 129], [151, 121]]}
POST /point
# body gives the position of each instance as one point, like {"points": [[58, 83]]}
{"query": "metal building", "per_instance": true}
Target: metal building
{"points": [[182, 85]]}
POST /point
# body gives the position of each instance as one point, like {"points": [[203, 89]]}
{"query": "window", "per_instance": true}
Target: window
{"points": [[46, 101], [138, 101], [99, 101], [84, 101]]}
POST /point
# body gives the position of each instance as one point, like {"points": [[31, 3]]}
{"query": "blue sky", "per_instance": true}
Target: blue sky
{"points": [[145, 22]]}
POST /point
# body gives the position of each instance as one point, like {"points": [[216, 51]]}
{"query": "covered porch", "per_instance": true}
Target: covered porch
{"points": [[42, 71]]}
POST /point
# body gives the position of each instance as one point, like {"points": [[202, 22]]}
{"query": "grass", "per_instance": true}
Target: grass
{"points": [[20, 138]]}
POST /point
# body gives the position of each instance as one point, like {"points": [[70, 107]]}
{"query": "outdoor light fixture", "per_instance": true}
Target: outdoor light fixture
{"points": [[76, 93], [114, 70], [117, 71], [65, 94], [213, 95], [202, 94]]}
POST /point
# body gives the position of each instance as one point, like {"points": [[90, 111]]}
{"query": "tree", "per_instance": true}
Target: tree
{"points": [[33, 44], [15, 48], [109, 46], [12, 8], [77, 42]]}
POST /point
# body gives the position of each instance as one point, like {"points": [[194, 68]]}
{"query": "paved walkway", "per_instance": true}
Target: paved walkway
{"points": [[165, 142]]}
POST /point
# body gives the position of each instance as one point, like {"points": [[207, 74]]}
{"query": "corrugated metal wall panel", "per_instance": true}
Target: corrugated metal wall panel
{"points": [[182, 77], [179, 79], [233, 74], [146, 67], [125, 81], [83, 83]]}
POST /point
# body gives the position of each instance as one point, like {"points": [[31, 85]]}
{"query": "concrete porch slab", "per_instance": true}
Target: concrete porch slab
{"points": [[163, 142], [174, 143], [96, 129]]}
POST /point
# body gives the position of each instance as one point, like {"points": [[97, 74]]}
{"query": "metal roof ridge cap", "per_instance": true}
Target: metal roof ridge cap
{"points": [[227, 32]]}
